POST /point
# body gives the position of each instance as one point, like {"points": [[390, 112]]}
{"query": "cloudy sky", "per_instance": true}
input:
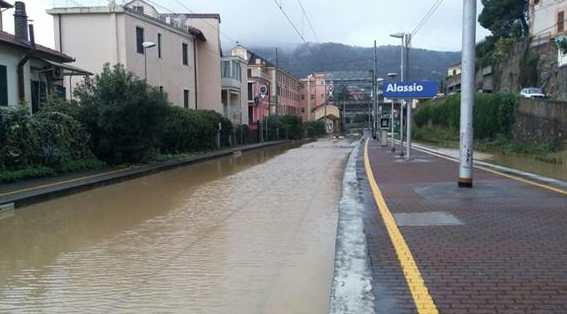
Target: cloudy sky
{"points": [[253, 22]]}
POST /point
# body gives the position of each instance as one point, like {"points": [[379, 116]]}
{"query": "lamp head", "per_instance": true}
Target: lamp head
{"points": [[148, 44]]}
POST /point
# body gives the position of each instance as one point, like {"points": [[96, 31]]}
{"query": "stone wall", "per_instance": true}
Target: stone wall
{"points": [[540, 121], [550, 77]]}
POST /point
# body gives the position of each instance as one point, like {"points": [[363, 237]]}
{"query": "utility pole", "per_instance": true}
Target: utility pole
{"points": [[409, 108], [403, 101], [467, 94], [375, 93]]}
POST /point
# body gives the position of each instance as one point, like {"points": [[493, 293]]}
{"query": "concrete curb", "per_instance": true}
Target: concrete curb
{"points": [[41, 193], [351, 290]]}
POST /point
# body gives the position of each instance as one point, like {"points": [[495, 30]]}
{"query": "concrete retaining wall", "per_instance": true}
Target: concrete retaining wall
{"points": [[540, 121]]}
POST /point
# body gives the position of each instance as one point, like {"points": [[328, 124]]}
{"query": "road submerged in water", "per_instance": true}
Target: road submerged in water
{"points": [[251, 233]]}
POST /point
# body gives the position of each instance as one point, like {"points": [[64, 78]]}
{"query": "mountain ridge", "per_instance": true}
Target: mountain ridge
{"points": [[327, 57]]}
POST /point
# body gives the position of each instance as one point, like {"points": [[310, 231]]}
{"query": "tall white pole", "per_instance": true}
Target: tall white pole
{"points": [[467, 94], [392, 126], [409, 105]]}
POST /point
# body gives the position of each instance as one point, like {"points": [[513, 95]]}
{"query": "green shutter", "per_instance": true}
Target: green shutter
{"points": [[3, 86]]}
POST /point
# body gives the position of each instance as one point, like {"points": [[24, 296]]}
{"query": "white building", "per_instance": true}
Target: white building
{"points": [[30, 73], [547, 19], [547, 23], [235, 89], [184, 63]]}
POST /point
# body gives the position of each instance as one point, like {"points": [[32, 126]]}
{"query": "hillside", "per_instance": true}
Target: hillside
{"points": [[312, 57]]}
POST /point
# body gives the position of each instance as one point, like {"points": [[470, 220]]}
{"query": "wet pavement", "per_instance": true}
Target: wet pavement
{"points": [[497, 248], [251, 233]]}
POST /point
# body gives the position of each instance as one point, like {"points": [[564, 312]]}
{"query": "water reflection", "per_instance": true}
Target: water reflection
{"points": [[530, 164]]}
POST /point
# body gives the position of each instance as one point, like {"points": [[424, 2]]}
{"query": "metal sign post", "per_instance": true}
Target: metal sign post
{"points": [[409, 90]]}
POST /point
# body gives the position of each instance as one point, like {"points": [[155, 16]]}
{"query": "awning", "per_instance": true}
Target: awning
{"points": [[69, 70]]}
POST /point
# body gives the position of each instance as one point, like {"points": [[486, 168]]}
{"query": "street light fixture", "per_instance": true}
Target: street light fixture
{"points": [[147, 45]]}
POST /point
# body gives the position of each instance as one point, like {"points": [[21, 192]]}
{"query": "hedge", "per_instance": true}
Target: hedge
{"points": [[493, 114]]}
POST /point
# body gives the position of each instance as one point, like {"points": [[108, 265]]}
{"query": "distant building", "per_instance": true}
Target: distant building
{"points": [[30, 73], [314, 94], [184, 63], [453, 79], [270, 91]]}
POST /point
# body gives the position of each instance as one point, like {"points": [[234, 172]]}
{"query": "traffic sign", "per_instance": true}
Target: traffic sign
{"points": [[411, 89]]}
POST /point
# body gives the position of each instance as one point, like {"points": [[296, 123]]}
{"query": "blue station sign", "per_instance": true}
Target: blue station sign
{"points": [[411, 89]]}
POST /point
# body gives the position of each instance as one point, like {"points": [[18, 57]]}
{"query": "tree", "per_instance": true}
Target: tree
{"points": [[505, 18], [123, 115]]}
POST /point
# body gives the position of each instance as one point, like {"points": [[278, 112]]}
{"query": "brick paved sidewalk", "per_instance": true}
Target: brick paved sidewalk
{"points": [[498, 248]]}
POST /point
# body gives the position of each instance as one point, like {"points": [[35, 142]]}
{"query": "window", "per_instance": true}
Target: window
{"points": [[302, 97], [250, 92], [312, 97], [225, 69], [560, 21], [185, 51], [159, 45], [249, 73], [139, 9], [3, 86], [186, 98], [140, 40]]}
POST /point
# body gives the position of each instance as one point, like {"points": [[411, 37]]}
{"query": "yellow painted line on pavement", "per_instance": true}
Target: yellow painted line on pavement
{"points": [[512, 177], [61, 182], [421, 297]]}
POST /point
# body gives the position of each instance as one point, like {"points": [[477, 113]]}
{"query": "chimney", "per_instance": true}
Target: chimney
{"points": [[21, 22], [32, 36]]}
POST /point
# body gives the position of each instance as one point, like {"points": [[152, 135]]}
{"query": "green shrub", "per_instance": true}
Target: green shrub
{"points": [[192, 131], [286, 126], [81, 165], [7, 176], [19, 139], [123, 115], [315, 128]]}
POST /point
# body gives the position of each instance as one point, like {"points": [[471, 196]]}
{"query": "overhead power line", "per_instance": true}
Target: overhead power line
{"points": [[426, 17], [308, 20], [289, 20]]}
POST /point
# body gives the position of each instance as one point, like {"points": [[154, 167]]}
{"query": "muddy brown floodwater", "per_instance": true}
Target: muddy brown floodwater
{"points": [[245, 234]]}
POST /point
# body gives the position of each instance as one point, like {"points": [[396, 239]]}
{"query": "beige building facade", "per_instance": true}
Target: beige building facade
{"points": [[115, 34]]}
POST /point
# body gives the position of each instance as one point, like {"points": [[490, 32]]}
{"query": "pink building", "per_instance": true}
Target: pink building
{"points": [[314, 93], [271, 90]]}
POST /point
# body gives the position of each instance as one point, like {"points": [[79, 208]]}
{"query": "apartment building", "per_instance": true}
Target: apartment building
{"points": [[287, 92], [313, 93], [234, 94], [171, 53], [29, 72], [547, 19]]}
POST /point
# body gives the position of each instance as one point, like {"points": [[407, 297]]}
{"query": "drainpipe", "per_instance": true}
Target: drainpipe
{"points": [[21, 33], [195, 70]]}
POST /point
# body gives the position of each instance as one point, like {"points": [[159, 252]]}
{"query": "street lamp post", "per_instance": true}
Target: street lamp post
{"points": [[392, 76], [403, 73], [147, 45]]}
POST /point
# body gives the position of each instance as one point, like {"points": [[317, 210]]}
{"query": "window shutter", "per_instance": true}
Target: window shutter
{"points": [[3, 86]]}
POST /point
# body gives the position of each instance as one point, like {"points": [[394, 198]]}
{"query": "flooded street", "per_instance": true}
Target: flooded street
{"points": [[253, 233], [531, 164]]}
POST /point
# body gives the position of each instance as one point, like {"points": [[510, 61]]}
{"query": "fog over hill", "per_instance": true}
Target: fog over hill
{"points": [[313, 57]]}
